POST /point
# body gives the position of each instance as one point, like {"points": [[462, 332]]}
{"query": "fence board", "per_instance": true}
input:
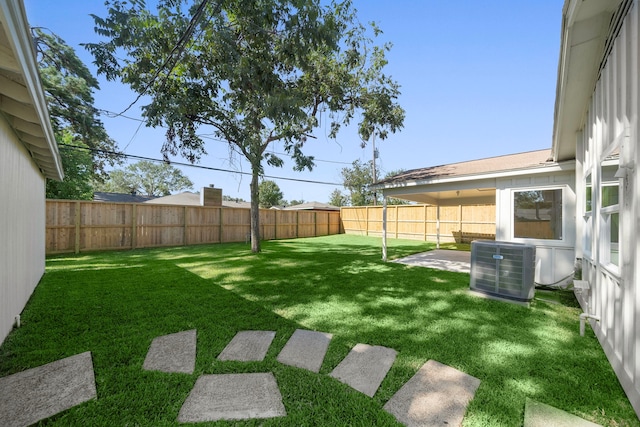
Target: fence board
{"points": [[461, 223], [78, 226]]}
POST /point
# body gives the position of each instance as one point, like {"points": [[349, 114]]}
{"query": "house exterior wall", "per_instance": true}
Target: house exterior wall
{"points": [[555, 259], [22, 227], [609, 140]]}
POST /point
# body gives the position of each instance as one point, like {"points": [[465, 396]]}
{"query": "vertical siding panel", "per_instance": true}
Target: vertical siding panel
{"points": [[22, 229], [616, 298]]}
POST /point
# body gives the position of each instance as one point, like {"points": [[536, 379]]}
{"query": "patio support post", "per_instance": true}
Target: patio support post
{"points": [[384, 228], [437, 226]]}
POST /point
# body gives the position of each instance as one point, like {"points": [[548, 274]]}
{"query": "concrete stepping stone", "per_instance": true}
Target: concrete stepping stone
{"points": [[248, 346], [173, 353], [233, 397], [35, 394], [538, 414], [305, 349], [365, 367], [436, 395]]}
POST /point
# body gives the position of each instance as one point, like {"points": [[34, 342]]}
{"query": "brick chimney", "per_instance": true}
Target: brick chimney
{"points": [[210, 196]]}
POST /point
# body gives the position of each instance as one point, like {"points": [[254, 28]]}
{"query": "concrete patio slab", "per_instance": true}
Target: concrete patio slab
{"points": [[436, 395], [365, 367], [233, 397], [305, 349], [35, 394], [173, 353], [248, 346], [538, 414], [440, 259]]}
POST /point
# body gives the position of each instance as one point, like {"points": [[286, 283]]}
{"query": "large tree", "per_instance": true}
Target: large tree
{"points": [[254, 71], [270, 194], [146, 177], [85, 146], [336, 198], [78, 170], [358, 179]]}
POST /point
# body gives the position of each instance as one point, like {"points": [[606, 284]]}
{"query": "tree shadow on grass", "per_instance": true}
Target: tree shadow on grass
{"points": [[337, 285], [424, 314]]}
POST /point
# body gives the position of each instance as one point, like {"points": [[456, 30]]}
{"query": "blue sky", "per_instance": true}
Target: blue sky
{"points": [[477, 79]]}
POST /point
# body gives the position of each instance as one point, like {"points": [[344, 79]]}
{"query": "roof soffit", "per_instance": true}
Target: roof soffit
{"points": [[22, 99]]}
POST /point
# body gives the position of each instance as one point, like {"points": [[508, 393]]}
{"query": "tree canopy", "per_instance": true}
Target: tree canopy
{"points": [[270, 194], [336, 198], [252, 72], [85, 147], [78, 170], [146, 177]]}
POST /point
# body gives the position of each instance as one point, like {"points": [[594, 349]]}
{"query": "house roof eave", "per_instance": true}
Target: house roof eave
{"points": [[565, 166], [22, 61], [586, 26]]}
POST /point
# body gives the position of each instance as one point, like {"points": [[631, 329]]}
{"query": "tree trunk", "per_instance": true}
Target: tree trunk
{"points": [[255, 211]]}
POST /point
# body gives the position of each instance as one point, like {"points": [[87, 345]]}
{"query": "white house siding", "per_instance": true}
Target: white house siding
{"points": [[555, 259], [22, 227], [612, 121]]}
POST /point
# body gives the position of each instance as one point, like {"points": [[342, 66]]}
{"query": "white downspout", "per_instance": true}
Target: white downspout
{"points": [[583, 319], [583, 286]]}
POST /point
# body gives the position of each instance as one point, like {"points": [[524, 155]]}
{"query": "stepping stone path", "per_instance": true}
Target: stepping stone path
{"points": [[305, 349], [172, 353], [365, 367], [232, 397], [35, 394], [538, 414], [248, 346], [436, 395]]}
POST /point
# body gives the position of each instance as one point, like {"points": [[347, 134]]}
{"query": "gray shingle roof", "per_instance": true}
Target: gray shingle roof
{"points": [[102, 196], [475, 167]]}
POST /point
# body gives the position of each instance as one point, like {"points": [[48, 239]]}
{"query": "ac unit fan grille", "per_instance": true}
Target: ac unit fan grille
{"points": [[503, 269]]}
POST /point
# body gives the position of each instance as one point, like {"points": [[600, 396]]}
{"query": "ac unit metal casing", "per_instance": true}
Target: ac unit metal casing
{"points": [[503, 269]]}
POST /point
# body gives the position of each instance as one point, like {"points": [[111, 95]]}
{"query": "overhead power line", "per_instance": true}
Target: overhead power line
{"points": [[112, 115], [133, 156]]}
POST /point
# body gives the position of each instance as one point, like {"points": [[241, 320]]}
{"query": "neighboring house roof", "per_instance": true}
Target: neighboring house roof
{"points": [[505, 163], [188, 198], [102, 196], [312, 206], [588, 30], [22, 98]]}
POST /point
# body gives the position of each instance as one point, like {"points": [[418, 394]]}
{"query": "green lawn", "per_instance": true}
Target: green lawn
{"points": [[113, 304]]}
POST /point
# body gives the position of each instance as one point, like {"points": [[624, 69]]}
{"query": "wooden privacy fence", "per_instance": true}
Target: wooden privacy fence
{"points": [[461, 223], [78, 226]]}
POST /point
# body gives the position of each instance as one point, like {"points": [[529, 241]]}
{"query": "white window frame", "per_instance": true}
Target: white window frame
{"points": [[587, 235], [605, 212], [540, 242]]}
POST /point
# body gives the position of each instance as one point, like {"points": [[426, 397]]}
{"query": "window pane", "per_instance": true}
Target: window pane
{"points": [[588, 195], [614, 238], [610, 195], [538, 214]]}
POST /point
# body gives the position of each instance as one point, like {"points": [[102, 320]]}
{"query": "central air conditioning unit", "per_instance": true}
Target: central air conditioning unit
{"points": [[503, 269]]}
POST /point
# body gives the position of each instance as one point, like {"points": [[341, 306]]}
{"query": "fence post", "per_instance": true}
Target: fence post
{"points": [[397, 223], [366, 220], [77, 224], [185, 235], [297, 224], [315, 224], [134, 225], [275, 225], [221, 222], [426, 223]]}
